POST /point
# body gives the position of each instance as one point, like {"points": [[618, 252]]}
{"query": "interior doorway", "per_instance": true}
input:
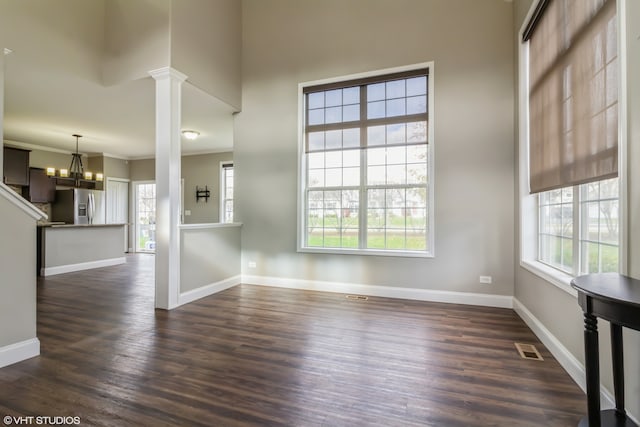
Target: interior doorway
{"points": [[117, 202], [145, 216]]}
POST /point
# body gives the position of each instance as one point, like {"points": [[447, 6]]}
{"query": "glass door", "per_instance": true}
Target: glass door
{"points": [[145, 204]]}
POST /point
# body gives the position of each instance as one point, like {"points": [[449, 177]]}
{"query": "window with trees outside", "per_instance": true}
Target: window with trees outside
{"points": [[579, 228], [571, 85], [226, 192], [366, 165]]}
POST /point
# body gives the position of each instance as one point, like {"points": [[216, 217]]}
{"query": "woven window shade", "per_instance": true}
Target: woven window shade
{"points": [[573, 97]]}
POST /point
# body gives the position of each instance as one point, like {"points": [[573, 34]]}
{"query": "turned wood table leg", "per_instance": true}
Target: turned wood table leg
{"points": [[592, 368], [617, 358]]}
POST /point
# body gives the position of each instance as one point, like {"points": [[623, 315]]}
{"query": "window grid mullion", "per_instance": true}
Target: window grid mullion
{"points": [[363, 188], [364, 202], [577, 230]]}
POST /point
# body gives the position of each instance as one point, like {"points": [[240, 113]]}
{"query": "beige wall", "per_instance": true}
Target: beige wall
{"points": [[116, 168], [74, 245], [202, 170], [557, 310], [95, 164], [44, 159], [197, 170], [208, 256], [206, 45], [136, 39], [471, 45], [142, 170], [18, 283]]}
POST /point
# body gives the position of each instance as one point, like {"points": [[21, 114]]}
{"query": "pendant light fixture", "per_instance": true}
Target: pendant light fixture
{"points": [[76, 169]]}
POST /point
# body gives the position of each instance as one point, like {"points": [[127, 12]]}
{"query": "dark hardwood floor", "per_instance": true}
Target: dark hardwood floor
{"points": [[266, 356]]}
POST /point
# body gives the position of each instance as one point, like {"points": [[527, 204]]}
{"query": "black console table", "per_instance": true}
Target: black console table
{"points": [[616, 298]]}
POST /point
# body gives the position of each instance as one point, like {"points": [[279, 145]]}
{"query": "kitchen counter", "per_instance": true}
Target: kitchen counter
{"points": [[63, 225], [63, 248]]}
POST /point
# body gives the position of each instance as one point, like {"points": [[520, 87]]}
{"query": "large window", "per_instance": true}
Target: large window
{"points": [[579, 228], [366, 165], [570, 183]]}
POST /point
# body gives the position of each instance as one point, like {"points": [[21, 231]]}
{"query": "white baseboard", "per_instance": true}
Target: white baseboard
{"points": [[574, 368], [14, 353], [489, 300], [210, 289], [50, 271]]}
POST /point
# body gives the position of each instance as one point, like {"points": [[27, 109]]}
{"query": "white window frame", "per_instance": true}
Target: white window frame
{"points": [[223, 192], [528, 214], [430, 250]]}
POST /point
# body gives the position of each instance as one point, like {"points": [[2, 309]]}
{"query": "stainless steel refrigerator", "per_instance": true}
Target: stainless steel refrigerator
{"points": [[79, 206]]}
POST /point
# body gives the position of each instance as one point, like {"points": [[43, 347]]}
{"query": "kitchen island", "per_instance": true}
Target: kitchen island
{"points": [[63, 248]]}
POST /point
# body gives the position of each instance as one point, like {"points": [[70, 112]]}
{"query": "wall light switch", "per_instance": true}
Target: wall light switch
{"points": [[252, 264], [187, 212], [485, 279]]}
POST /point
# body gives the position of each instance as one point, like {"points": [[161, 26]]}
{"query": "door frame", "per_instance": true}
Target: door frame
{"points": [[134, 207], [127, 247]]}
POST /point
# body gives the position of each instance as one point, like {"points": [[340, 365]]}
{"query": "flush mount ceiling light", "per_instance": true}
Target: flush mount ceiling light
{"points": [[190, 134]]}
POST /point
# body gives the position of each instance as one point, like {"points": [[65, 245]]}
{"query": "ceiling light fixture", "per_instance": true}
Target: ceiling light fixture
{"points": [[76, 169], [190, 134]]}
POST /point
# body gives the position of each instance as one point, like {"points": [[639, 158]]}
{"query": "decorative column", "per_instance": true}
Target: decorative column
{"points": [[168, 112]]}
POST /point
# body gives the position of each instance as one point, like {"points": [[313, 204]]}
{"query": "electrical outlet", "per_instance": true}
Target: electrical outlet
{"points": [[252, 264], [485, 279], [187, 212]]}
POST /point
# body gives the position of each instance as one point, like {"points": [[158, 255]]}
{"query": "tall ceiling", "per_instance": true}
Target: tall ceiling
{"points": [[54, 88]]}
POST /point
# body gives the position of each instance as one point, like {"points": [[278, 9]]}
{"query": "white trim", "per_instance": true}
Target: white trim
{"points": [[551, 275], [114, 156], [222, 181], [574, 368], [209, 225], [68, 268], [375, 252], [166, 73], [301, 208], [210, 289], [623, 204], [21, 203], [467, 298], [17, 352], [134, 206], [127, 180]]}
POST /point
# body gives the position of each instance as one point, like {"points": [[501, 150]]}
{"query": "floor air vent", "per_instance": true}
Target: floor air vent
{"points": [[528, 351], [357, 297]]}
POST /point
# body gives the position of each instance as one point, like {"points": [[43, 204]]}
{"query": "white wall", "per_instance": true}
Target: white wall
{"points": [[289, 41], [556, 310]]}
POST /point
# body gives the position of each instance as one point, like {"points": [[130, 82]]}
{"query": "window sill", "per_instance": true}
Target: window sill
{"points": [[375, 252], [555, 277]]}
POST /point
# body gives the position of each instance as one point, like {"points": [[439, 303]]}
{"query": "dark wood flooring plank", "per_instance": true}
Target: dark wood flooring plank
{"points": [[256, 356]]}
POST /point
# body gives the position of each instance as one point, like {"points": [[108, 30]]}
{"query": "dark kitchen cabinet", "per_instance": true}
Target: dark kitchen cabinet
{"points": [[42, 188], [16, 166]]}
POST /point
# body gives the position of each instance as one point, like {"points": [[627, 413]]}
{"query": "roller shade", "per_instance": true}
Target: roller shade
{"points": [[573, 93]]}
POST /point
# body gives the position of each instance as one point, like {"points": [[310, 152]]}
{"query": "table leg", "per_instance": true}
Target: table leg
{"points": [[592, 368], [617, 358]]}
